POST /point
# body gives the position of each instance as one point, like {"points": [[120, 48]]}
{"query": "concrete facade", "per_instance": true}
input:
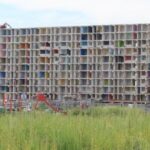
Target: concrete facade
{"points": [[109, 62]]}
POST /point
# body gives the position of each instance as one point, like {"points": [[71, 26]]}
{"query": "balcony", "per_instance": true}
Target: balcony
{"points": [[44, 53], [85, 90]]}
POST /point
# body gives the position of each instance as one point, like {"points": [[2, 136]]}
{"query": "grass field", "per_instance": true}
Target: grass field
{"points": [[107, 128]]}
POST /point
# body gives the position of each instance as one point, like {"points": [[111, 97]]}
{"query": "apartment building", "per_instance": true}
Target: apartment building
{"points": [[109, 62]]}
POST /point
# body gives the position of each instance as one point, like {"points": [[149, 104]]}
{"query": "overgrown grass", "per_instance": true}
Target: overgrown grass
{"points": [[107, 128]]}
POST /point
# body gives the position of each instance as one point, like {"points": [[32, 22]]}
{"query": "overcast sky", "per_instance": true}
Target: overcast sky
{"points": [[32, 13]]}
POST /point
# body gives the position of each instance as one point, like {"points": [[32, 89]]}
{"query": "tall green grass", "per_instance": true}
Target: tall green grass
{"points": [[106, 128]]}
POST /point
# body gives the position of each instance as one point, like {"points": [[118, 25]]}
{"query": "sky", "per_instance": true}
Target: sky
{"points": [[43, 13]]}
